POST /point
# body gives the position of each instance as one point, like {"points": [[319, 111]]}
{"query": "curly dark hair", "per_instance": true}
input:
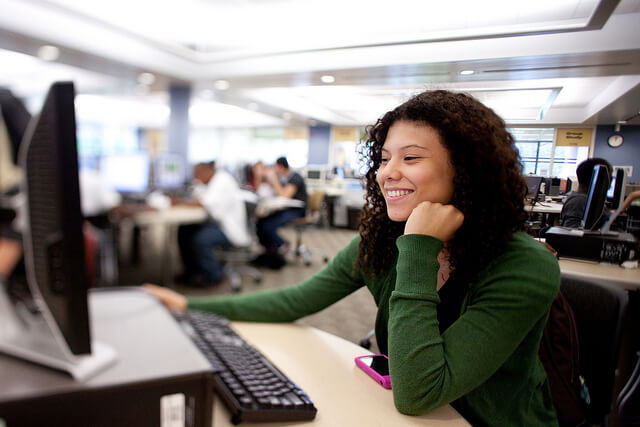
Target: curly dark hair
{"points": [[488, 185]]}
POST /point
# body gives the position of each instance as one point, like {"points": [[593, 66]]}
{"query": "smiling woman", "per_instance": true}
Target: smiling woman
{"points": [[462, 294]]}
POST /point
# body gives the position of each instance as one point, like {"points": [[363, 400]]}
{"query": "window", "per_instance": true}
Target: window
{"points": [[540, 155], [536, 147]]}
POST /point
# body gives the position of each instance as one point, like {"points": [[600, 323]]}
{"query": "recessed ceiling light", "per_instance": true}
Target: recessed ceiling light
{"points": [[467, 72], [146, 79], [48, 53], [221, 84], [253, 106], [327, 78], [287, 115]]}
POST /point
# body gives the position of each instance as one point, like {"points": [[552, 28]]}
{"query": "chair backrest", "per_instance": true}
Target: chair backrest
{"points": [[599, 309], [250, 209], [314, 203]]}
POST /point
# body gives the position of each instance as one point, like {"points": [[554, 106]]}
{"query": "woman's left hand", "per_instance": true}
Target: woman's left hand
{"points": [[434, 219]]}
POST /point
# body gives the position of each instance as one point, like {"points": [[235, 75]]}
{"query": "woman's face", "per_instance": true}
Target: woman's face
{"points": [[415, 167]]}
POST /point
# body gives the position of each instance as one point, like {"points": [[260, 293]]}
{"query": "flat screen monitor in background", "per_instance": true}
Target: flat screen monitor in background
{"points": [[314, 174], [596, 197], [615, 197], [169, 172], [533, 186], [126, 173], [565, 185], [57, 333], [615, 194]]}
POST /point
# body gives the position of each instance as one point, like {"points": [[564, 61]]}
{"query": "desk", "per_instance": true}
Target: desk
{"points": [[542, 215], [545, 207], [322, 365], [627, 278], [170, 218]]}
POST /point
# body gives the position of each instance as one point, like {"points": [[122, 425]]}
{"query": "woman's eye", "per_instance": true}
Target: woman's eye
{"points": [[410, 158], [384, 160]]}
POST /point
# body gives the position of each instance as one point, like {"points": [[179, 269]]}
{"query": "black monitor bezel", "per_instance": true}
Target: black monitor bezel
{"points": [[618, 190], [596, 197], [66, 302]]}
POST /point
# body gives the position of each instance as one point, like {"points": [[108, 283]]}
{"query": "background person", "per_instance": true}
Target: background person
{"points": [[463, 294], [290, 185], [219, 194], [573, 208]]}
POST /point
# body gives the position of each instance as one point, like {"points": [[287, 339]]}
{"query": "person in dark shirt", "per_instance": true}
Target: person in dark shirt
{"points": [[292, 186], [575, 204]]}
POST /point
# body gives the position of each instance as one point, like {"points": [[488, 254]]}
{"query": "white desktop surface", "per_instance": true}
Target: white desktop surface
{"points": [[545, 207], [322, 365], [174, 215], [626, 278]]}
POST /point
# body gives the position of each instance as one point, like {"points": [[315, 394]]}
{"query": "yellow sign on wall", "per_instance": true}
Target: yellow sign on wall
{"points": [[578, 137], [297, 133], [344, 134]]}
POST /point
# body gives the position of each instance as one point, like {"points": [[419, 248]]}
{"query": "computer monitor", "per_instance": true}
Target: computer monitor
{"points": [[596, 197], [57, 333], [615, 197], [615, 194], [533, 186], [315, 174], [565, 185], [126, 173], [169, 172]]}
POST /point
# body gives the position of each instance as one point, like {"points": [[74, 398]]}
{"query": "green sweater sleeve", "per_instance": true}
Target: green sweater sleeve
{"points": [[334, 282], [509, 298]]}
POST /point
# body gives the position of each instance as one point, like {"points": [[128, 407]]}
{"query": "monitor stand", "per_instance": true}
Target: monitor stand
{"points": [[29, 335]]}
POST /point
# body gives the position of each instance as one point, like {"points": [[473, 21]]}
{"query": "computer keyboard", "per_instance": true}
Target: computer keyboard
{"points": [[249, 384]]}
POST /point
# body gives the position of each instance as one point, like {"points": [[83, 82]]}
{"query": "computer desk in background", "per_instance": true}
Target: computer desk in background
{"points": [[322, 365], [169, 218], [545, 207]]}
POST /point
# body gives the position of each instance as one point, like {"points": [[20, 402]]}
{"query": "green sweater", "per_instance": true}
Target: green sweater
{"points": [[486, 363]]}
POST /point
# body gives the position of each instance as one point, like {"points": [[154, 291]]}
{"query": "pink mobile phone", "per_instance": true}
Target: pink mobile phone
{"points": [[377, 367]]}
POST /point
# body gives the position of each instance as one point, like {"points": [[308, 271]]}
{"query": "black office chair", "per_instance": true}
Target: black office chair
{"points": [[313, 218], [628, 402], [599, 309], [236, 258]]}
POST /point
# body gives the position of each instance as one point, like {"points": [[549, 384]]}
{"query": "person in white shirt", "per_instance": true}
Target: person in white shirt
{"points": [[219, 193]]}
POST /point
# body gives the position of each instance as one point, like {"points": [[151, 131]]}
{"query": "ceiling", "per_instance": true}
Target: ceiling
{"points": [[262, 62]]}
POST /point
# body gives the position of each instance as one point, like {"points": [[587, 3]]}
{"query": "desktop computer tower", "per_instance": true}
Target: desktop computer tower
{"points": [[159, 378], [592, 245]]}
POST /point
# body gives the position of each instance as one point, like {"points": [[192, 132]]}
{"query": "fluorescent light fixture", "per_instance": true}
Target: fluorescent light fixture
{"points": [[221, 85], [146, 79], [327, 78], [48, 53], [467, 72]]}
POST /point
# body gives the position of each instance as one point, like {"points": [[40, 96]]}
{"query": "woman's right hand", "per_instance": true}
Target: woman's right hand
{"points": [[170, 298], [434, 219]]}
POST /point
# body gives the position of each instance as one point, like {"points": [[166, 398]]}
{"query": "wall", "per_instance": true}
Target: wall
{"points": [[628, 154]]}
